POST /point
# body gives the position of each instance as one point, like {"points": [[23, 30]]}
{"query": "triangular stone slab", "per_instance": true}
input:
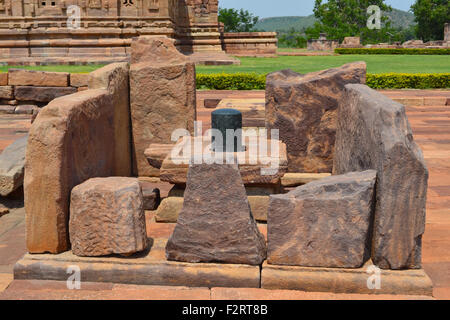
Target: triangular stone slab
{"points": [[216, 224]]}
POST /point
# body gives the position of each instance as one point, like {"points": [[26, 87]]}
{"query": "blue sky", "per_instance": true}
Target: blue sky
{"points": [[277, 8]]}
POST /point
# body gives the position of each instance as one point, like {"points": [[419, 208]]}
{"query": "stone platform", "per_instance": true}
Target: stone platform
{"points": [[147, 268], [152, 268]]}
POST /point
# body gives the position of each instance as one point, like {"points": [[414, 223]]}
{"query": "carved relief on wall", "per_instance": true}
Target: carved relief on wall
{"points": [[95, 4], [203, 8]]}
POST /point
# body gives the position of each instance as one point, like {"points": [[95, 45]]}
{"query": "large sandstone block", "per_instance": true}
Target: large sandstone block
{"points": [[107, 217], [324, 223], [21, 77], [69, 143], [374, 133], [41, 94], [6, 92], [216, 224], [304, 110], [12, 162], [163, 96], [115, 78]]}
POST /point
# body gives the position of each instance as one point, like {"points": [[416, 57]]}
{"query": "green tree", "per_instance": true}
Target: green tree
{"points": [[431, 15], [237, 20], [346, 18]]}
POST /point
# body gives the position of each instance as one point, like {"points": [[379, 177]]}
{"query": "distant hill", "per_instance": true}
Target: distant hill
{"points": [[399, 19]]}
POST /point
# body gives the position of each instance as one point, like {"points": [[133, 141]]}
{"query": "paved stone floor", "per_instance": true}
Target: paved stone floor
{"points": [[429, 115]]}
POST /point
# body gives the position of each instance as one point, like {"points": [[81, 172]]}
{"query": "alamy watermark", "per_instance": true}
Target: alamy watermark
{"points": [[374, 280], [374, 21], [73, 17], [74, 280]]}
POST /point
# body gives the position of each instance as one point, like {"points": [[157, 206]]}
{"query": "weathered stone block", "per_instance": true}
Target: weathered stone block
{"points": [[3, 78], [216, 224], [115, 78], [304, 110], [12, 162], [107, 217], [21, 77], [41, 94], [7, 109], [324, 223], [69, 143], [169, 209], [79, 80], [259, 206], [25, 109], [6, 92], [163, 96], [374, 133]]}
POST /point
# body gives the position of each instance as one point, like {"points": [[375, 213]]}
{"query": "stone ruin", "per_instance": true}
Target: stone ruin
{"points": [[355, 42], [88, 151], [322, 44]]}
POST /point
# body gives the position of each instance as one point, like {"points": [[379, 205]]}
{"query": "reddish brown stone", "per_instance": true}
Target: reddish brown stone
{"points": [[6, 92], [162, 90], [324, 223], [69, 142], [3, 78], [107, 217], [21, 77], [41, 94], [78, 80], [216, 224], [374, 133], [304, 109], [115, 78]]}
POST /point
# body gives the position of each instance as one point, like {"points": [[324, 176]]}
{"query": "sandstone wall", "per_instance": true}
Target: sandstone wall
{"points": [[25, 91]]}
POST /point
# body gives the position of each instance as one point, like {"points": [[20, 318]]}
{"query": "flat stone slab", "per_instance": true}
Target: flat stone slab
{"points": [[148, 268], [175, 167], [314, 279], [253, 110]]}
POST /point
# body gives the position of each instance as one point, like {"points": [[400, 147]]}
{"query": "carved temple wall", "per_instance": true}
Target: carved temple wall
{"points": [[39, 28]]}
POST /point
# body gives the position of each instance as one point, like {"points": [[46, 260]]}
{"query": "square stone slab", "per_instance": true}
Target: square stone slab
{"points": [[149, 268]]}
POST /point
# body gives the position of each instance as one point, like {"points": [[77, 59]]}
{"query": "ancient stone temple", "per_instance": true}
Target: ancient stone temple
{"points": [[42, 28]]}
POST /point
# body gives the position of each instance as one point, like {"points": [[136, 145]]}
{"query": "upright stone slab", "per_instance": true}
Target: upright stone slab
{"points": [[324, 223], [12, 162], [304, 110], [162, 84], [374, 133], [115, 78], [69, 142], [216, 224], [107, 217]]}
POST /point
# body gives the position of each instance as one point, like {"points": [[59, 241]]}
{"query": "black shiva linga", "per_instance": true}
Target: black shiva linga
{"points": [[223, 120]]}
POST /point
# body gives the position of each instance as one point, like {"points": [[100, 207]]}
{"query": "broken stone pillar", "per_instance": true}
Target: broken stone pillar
{"points": [[216, 224], [12, 162], [304, 110], [324, 223], [69, 142], [114, 78], [107, 217], [373, 132], [163, 96]]}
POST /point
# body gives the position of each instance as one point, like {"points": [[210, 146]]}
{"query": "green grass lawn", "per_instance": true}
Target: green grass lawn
{"points": [[375, 64]]}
